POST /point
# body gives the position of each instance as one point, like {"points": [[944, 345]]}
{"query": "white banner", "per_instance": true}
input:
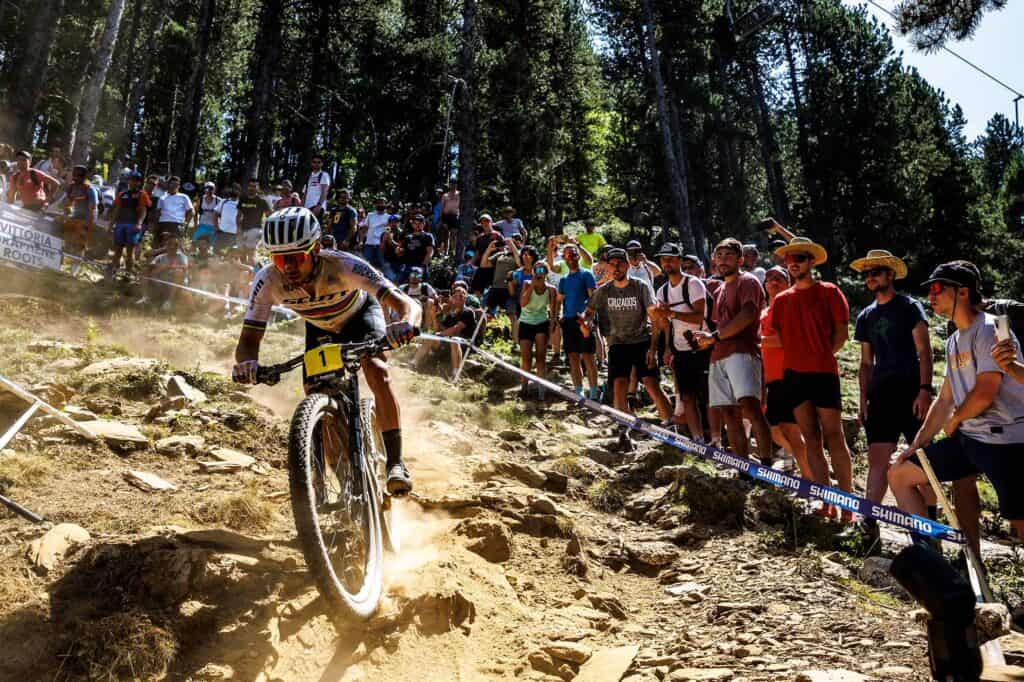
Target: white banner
{"points": [[25, 240]]}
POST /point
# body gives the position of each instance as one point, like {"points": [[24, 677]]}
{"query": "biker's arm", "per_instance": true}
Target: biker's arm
{"points": [[248, 347]]}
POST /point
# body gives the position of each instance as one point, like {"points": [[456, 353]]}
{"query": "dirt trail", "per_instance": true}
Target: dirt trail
{"points": [[549, 557]]}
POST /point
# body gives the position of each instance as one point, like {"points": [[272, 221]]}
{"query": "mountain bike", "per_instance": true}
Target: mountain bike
{"points": [[336, 475]]}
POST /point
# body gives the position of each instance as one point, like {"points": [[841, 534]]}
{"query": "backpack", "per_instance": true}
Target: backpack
{"points": [[709, 301]]}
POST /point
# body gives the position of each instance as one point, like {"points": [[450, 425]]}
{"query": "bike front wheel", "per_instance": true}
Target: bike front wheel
{"points": [[336, 509]]}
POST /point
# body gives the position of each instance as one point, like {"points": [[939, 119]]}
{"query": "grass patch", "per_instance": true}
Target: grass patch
{"points": [[121, 646], [873, 596], [569, 465], [25, 470], [603, 495], [245, 509]]}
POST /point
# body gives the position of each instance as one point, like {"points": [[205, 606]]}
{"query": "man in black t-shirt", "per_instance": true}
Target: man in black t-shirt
{"points": [[484, 274], [426, 295], [458, 320], [895, 370], [341, 220], [417, 248]]}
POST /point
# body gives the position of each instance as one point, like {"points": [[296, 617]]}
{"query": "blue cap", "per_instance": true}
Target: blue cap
{"points": [[469, 253], [134, 175], [393, 218]]}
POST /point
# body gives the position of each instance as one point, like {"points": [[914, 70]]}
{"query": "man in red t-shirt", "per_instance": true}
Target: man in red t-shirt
{"points": [[812, 320], [32, 186]]}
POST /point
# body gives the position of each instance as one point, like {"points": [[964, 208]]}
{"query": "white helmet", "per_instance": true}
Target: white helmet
{"points": [[291, 229]]}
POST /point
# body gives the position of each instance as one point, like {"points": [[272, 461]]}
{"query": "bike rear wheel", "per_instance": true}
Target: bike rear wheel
{"points": [[338, 522]]}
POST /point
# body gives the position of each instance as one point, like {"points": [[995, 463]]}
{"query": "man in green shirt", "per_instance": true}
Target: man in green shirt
{"points": [[590, 240]]}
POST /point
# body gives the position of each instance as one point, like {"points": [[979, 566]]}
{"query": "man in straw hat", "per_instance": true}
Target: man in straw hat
{"points": [[895, 370], [812, 321]]}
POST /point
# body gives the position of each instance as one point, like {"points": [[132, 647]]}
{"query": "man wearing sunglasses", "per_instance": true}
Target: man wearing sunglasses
{"points": [[340, 296], [895, 370], [980, 411], [812, 321]]}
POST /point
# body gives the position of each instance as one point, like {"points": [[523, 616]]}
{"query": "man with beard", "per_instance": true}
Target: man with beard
{"points": [[895, 370], [628, 304], [341, 220], [735, 375], [812, 322], [682, 303]]}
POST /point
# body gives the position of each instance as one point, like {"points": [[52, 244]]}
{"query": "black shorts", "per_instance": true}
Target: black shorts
{"points": [[529, 332], [165, 228], [573, 340], [778, 409], [499, 297], [482, 279], [367, 323], [623, 358], [818, 388], [961, 456], [690, 369], [891, 411]]}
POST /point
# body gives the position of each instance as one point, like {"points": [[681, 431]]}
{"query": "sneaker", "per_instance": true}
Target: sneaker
{"points": [[595, 394], [399, 481]]}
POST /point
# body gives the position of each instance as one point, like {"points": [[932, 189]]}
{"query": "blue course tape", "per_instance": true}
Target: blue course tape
{"points": [[794, 484]]}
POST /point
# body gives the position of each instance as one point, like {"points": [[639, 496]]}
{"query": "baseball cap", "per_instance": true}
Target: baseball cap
{"points": [[693, 259], [416, 272], [188, 187], [419, 216], [209, 185], [670, 249], [617, 253], [750, 248], [633, 244], [486, 216], [959, 273], [469, 253], [394, 218], [779, 270]]}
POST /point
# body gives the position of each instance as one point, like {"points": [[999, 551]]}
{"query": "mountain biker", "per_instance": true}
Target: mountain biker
{"points": [[340, 296]]}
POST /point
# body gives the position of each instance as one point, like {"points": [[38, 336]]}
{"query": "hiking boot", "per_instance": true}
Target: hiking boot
{"points": [[399, 480]]}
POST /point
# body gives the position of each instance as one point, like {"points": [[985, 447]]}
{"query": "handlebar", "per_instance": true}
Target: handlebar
{"points": [[271, 374]]}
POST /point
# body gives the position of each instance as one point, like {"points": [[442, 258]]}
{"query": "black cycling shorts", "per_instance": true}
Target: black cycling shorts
{"points": [[690, 369], [529, 332], [573, 340], [778, 409], [367, 323]]}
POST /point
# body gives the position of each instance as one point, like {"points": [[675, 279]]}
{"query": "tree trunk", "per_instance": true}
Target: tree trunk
{"points": [[94, 92], [38, 42], [313, 104], [467, 135], [673, 165], [135, 87], [770, 153], [265, 59], [188, 144]]}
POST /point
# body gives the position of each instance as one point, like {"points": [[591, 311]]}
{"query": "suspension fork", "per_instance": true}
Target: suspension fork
{"points": [[355, 420]]}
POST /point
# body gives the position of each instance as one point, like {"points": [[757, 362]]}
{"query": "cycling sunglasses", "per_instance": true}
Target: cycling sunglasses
{"points": [[298, 259], [936, 287]]}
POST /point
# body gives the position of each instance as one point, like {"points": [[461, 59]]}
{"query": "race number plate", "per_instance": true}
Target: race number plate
{"points": [[323, 359]]}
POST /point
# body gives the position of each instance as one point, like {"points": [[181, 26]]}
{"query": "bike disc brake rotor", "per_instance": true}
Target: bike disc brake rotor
{"points": [[341, 513]]}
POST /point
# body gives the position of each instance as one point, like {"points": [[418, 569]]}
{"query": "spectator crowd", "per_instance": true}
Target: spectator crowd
{"points": [[750, 342]]}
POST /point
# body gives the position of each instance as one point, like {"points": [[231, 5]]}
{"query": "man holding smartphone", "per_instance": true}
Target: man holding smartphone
{"points": [[981, 414]]}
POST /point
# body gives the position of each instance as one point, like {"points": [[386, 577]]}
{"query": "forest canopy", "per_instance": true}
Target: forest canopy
{"points": [[674, 120]]}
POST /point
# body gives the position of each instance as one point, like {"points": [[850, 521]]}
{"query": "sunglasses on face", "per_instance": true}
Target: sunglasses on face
{"points": [[283, 260], [797, 258], [936, 288], [873, 272]]}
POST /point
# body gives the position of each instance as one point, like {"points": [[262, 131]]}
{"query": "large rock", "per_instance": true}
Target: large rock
{"points": [[180, 445], [45, 552], [609, 603], [573, 652], [178, 385], [524, 473], [702, 674], [117, 434], [79, 414], [608, 665], [654, 554], [230, 456], [491, 539], [120, 366], [875, 572]]}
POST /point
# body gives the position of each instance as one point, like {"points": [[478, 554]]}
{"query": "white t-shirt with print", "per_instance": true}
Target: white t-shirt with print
{"points": [[376, 223], [674, 295]]}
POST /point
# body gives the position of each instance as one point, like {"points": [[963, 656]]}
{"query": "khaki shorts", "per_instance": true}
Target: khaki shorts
{"points": [[76, 234]]}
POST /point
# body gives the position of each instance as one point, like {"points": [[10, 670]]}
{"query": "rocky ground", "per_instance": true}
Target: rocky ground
{"points": [[531, 549]]}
